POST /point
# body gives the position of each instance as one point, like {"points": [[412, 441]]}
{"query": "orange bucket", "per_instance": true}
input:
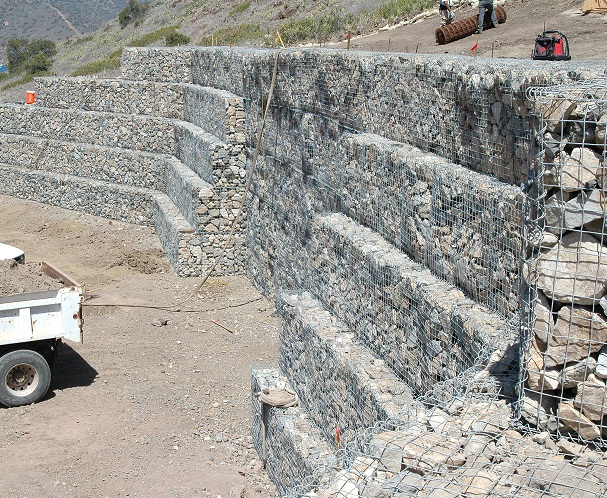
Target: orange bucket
{"points": [[30, 97]]}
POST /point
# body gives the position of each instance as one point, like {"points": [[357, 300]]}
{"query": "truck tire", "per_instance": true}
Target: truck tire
{"points": [[24, 377]]}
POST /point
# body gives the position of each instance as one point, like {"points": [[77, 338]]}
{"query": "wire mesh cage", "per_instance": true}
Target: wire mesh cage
{"points": [[458, 442], [564, 333], [413, 257]]}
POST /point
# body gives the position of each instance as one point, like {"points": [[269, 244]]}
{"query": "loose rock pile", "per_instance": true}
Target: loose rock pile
{"points": [[467, 449]]}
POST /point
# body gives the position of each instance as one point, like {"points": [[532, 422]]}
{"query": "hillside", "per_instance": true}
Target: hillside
{"points": [[239, 23], [54, 19]]}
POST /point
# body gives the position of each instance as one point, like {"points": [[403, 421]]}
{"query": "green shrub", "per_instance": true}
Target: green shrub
{"points": [[16, 52], [83, 39], [133, 13], [398, 9], [327, 25], [295, 30], [20, 50], [311, 28], [154, 36], [109, 63], [175, 39], [322, 25], [38, 64]]}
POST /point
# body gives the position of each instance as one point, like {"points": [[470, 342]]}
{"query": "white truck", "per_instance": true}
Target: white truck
{"points": [[32, 326]]}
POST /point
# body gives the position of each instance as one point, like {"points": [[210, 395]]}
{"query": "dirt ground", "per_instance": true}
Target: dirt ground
{"points": [[140, 408], [515, 38]]}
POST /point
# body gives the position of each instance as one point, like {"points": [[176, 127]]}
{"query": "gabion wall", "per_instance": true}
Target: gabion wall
{"points": [[353, 134], [468, 113], [388, 187], [165, 154], [337, 128], [563, 385], [380, 102]]}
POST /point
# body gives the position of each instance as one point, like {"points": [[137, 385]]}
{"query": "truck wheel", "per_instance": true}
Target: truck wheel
{"points": [[24, 377]]}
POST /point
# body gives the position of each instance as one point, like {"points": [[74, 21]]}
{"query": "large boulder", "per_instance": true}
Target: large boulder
{"points": [[575, 336], [575, 271], [591, 398], [576, 422], [585, 208], [578, 168], [544, 321], [556, 114]]}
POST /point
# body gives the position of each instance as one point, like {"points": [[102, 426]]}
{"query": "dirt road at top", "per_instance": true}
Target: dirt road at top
{"points": [[140, 409], [515, 38]]}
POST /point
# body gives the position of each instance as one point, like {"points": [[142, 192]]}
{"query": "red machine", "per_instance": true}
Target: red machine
{"points": [[551, 46]]}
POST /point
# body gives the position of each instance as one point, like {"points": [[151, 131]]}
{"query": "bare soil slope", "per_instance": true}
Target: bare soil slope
{"points": [[155, 402]]}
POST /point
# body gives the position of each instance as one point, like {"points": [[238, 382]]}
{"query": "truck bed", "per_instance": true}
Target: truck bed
{"points": [[37, 316]]}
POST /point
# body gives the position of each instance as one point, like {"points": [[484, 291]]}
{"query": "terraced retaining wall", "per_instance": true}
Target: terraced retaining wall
{"points": [[387, 187], [423, 159], [335, 140], [175, 147], [469, 112]]}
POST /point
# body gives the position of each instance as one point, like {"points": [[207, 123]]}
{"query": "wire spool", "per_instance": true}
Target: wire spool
{"points": [[466, 27]]}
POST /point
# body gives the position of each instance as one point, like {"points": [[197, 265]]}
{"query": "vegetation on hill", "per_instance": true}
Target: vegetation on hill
{"points": [[231, 22], [29, 55], [132, 14], [54, 20], [112, 61], [27, 59], [174, 39], [319, 28]]}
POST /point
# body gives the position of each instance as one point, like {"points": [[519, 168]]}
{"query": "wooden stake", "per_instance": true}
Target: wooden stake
{"points": [[280, 38], [349, 36], [222, 326]]}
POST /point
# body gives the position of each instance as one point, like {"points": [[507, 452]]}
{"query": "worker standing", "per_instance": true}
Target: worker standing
{"points": [[445, 9], [486, 6]]}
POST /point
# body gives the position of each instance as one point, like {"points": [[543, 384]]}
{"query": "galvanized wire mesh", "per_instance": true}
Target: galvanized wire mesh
{"points": [[462, 225], [458, 440], [373, 294], [471, 114], [364, 154], [358, 450], [565, 328]]}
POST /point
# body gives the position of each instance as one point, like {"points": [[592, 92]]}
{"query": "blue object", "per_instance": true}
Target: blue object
{"points": [[3, 68]]}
